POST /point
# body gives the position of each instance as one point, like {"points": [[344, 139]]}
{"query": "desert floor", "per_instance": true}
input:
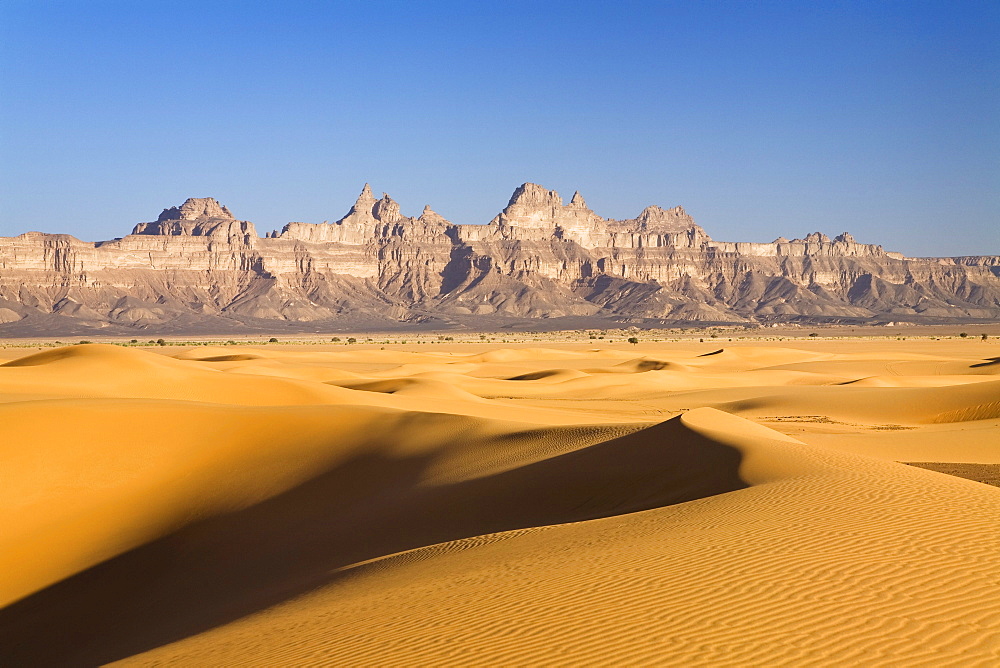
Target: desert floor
{"points": [[564, 501]]}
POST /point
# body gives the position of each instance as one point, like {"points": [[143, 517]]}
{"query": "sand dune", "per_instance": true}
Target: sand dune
{"points": [[521, 506]]}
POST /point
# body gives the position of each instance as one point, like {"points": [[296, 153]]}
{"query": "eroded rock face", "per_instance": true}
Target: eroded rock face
{"points": [[199, 217], [197, 208], [197, 266]]}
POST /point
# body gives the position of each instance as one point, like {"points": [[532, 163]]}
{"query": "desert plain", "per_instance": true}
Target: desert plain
{"points": [[691, 502]]}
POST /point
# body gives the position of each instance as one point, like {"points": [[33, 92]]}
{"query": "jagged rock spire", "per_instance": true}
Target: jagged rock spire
{"points": [[578, 200], [386, 209], [363, 205]]}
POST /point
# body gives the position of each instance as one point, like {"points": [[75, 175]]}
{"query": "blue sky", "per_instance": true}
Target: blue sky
{"points": [[762, 119]]}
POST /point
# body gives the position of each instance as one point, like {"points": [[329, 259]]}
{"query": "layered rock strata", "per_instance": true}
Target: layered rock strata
{"points": [[198, 267]]}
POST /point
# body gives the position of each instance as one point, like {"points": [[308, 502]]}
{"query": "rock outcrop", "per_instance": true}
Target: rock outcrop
{"points": [[197, 267]]}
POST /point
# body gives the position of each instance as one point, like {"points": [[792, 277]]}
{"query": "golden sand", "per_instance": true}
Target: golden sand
{"points": [[470, 504]]}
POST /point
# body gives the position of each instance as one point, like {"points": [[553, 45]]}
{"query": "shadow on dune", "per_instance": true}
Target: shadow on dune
{"points": [[223, 568]]}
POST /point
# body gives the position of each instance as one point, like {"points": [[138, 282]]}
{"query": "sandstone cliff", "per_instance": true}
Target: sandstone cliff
{"points": [[199, 268]]}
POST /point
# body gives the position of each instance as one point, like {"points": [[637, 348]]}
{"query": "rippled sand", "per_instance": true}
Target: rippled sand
{"points": [[664, 504]]}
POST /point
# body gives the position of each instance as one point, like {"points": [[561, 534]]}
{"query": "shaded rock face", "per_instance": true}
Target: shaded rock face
{"points": [[200, 217], [198, 267]]}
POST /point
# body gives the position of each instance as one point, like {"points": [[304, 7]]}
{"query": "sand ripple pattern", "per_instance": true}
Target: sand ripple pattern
{"points": [[391, 511]]}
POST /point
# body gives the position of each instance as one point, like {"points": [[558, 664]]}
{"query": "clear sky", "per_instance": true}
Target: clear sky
{"points": [[763, 119]]}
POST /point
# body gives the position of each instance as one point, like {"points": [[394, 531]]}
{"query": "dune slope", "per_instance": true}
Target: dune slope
{"points": [[435, 516]]}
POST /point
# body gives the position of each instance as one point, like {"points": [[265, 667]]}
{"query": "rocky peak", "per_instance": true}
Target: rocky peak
{"points": [[846, 237], [199, 216], [658, 218], [652, 212], [817, 238], [578, 201], [363, 205], [386, 209], [429, 215], [534, 196], [197, 208]]}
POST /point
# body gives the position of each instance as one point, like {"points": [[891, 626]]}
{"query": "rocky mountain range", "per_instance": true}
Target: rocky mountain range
{"points": [[540, 262]]}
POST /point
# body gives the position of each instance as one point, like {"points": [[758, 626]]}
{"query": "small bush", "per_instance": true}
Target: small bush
{"points": [[985, 337], [272, 340], [336, 339], [161, 342], [963, 334], [352, 340], [85, 341], [813, 334], [134, 341], [633, 340]]}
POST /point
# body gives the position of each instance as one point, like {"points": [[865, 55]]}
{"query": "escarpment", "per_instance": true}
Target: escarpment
{"points": [[197, 267]]}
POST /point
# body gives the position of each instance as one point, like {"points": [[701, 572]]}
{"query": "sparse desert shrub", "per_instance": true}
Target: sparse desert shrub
{"points": [[963, 334], [84, 341], [633, 340], [813, 334], [352, 340], [161, 342], [336, 339], [272, 340], [134, 341], [985, 337]]}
